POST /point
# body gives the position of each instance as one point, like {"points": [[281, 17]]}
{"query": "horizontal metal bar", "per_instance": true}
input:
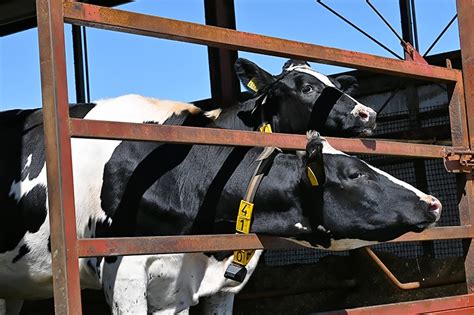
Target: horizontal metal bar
{"points": [[438, 233], [179, 134], [410, 308], [225, 242], [123, 21]]}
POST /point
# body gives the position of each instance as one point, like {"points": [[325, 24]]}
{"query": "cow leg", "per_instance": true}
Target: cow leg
{"points": [[218, 304], [125, 285]]}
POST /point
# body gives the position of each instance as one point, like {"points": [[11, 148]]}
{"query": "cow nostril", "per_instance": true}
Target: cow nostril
{"points": [[435, 208], [363, 115]]}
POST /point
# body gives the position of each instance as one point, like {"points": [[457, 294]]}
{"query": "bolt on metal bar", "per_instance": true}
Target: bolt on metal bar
{"points": [[440, 35], [359, 29]]}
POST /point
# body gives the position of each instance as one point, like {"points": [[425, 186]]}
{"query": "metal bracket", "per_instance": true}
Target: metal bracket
{"points": [[412, 54], [458, 161]]}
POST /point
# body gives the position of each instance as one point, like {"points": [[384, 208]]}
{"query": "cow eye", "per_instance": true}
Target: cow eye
{"points": [[356, 175], [307, 89]]}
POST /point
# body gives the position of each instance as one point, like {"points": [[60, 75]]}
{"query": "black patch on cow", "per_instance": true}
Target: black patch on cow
{"points": [[49, 243], [22, 252], [21, 134], [132, 170], [29, 215]]}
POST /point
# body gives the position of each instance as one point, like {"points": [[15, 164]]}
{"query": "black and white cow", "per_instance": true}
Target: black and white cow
{"points": [[139, 188], [301, 99]]}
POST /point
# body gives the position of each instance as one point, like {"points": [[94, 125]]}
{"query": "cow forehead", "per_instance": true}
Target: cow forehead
{"points": [[328, 149], [321, 77]]}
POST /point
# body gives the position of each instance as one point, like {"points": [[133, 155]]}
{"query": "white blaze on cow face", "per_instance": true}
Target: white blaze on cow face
{"points": [[321, 77]]}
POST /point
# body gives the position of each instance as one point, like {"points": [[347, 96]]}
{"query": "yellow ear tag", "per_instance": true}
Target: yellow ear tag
{"points": [[266, 128], [312, 178], [252, 85]]}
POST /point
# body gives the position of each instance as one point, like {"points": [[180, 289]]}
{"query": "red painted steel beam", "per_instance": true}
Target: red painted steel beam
{"points": [[465, 10], [213, 243], [67, 294], [410, 308], [179, 134], [117, 20]]}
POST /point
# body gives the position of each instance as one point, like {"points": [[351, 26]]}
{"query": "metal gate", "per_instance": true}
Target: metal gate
{"points": [[59, 128]]}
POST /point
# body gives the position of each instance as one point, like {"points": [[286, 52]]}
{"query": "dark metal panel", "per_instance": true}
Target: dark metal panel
{"points": [[224, 84], [410, 308], [67, 294], [112, 19], [179, 134]]}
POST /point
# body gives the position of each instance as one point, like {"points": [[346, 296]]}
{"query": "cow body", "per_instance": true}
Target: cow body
{"points": [[130, 188]]}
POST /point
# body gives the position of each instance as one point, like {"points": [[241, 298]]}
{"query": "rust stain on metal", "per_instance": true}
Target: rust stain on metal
{"points": [[230, 39]]}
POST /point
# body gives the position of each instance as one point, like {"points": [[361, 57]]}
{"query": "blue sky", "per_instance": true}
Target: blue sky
{"points": [[123, 63]]}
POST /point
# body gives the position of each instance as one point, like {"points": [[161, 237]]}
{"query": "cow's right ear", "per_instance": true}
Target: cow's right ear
{"points": [[252, 76], [314, 159]]}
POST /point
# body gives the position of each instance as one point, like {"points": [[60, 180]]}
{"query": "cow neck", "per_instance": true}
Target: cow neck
{"points": [[237, 269]]}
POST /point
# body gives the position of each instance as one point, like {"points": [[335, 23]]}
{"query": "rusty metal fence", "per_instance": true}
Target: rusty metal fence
{"points": [[59, 128]]}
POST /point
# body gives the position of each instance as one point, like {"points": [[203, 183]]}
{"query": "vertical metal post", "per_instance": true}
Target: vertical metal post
{"points": [[406, 21], [224, 83], [78, 63], [67, 294], [465, 9]]}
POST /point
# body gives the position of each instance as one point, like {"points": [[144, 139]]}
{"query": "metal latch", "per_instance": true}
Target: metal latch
{"points": [[458, 161]]}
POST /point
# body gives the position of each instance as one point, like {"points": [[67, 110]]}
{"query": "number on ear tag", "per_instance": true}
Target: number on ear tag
{"points": [[252, 85]]}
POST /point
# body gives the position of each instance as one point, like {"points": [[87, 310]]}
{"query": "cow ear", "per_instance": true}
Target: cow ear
{"points": [[347, 83], [315, 161], [252, 76]]}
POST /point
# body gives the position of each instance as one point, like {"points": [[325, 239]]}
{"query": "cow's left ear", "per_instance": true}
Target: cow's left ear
{"points": [[346, 83], [252, 76], [314, 159]]}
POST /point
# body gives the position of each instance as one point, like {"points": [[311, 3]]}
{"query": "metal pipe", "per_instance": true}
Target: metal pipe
{"points": [[415, 26], [359, 29], [440, 35], [389, 274], [384, 20], [78, 63]]}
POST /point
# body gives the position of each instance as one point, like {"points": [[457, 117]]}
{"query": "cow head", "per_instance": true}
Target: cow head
{"points": [[355, 203], [300, 99]]}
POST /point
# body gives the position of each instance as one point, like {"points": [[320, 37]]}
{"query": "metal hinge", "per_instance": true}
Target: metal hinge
{"points": [[458, 161]]}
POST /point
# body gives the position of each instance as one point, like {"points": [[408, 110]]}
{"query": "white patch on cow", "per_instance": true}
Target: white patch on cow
{"points": [[137, 108], [300, 226], [18, 189], [172, 283], [28, 162], [213, 114], [32, 278], [321, 77]]}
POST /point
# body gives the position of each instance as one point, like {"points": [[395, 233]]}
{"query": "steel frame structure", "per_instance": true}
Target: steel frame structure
{"points": [[59, 128]]}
